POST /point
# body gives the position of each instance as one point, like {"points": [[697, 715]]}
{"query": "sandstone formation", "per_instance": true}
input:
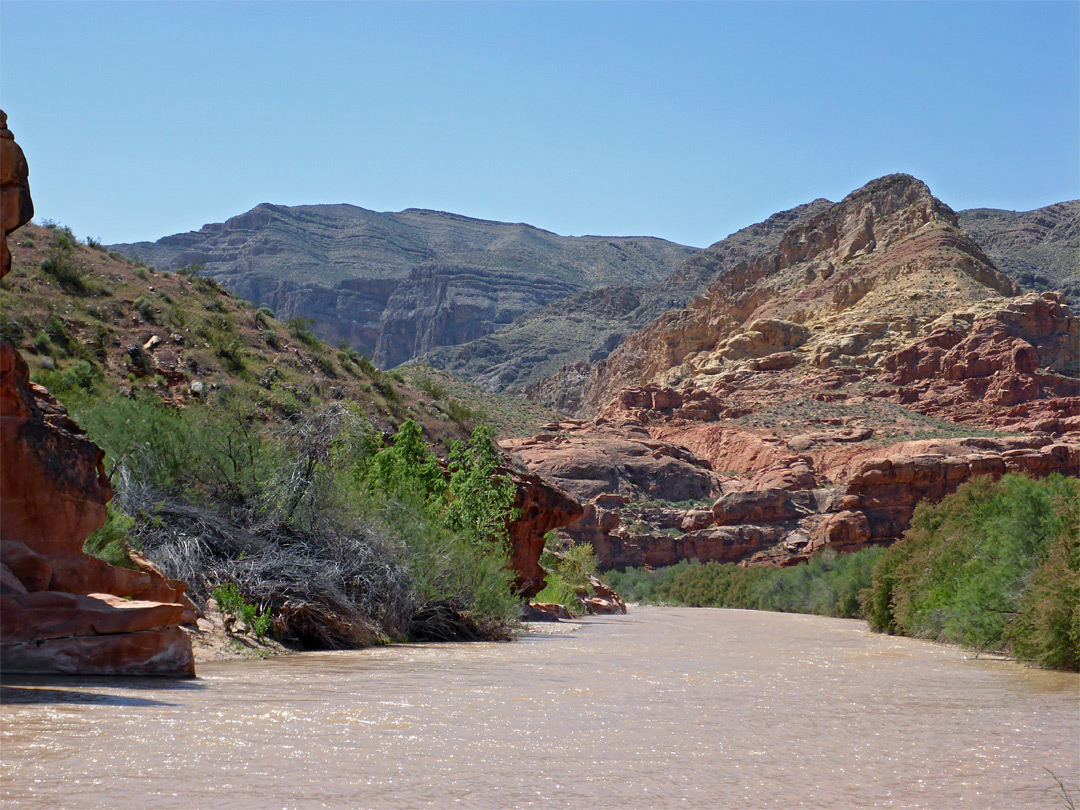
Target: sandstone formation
{"points": [[542, 508], [60, 610], [16, 207], [814, 394]]}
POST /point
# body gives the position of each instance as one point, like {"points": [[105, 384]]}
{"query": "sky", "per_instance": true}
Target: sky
{"points": [[685, 121]]}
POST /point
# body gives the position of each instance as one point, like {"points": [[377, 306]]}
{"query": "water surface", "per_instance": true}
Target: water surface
{"points": [[664, 708]]}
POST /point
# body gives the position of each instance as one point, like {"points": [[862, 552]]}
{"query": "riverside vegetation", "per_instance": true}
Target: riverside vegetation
{"points": [[994, 566], [298, 486]]}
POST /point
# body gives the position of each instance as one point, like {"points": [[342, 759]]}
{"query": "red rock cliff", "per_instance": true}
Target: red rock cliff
{"points": [[60, 610]]}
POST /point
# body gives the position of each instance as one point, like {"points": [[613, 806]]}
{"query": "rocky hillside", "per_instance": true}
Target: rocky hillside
{"points": [[585, 327], [811, 396], [1038, 249], [395, 285]]}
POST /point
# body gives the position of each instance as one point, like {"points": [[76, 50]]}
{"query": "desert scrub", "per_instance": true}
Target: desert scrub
{"points": [[341, 539], [112, 540], [569, 571], [993, 566]]}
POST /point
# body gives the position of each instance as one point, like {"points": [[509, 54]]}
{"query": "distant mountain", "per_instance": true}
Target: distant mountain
{"points": [[585, 327], [1038, 249], [394, 285]]}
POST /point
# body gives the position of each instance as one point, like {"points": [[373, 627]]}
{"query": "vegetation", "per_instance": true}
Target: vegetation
{"points": [[569, 571], [828, 585], [342, 537], [995, 566]]}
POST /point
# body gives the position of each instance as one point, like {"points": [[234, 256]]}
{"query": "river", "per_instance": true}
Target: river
{"points": [[663, 708]]}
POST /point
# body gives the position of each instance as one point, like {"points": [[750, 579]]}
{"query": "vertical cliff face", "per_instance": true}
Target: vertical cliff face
{"points": [[60, 610]]}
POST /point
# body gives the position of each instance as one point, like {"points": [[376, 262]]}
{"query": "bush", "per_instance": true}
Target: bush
{"points": [[111, 542], [67, 275], [270, 338], [993, 566], [300, 328], [145, 307]]}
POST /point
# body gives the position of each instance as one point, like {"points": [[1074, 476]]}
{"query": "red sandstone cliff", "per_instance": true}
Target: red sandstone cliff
{"points": [[60, 610]]}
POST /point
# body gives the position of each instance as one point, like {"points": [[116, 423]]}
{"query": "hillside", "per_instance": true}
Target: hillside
{"points": [[1038, 249], [87, 318], [587, 326], [812, 395], [394, 285]]}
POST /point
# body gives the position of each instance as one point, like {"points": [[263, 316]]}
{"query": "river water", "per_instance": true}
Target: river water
{"points": [[663, 708]]}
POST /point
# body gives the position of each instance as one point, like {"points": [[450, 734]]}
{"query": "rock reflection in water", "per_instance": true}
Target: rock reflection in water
{"points": [[661, 708]]}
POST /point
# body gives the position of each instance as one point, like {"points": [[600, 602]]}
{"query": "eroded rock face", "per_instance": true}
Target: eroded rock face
{"points": [[60, 610], [543, 507], [16, 207], [842, 290]]}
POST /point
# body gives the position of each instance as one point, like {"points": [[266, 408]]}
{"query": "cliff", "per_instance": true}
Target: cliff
{"points": [[393, 285], [60, 610], [812, 395]]}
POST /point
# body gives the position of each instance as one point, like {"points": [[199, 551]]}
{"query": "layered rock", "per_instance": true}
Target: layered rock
{"points": [[841, 290], [1038, 249], [396, 284], [16, 206], [60, 610], [542, 352], [796, 384]]}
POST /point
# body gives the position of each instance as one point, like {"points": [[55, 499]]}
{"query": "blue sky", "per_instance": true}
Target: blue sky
{"points": [[680, 120]]}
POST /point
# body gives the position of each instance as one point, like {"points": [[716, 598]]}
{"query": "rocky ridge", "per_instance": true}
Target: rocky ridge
{"points": [[1038, 249], [394, 285], [813, 395], [585, 327]]}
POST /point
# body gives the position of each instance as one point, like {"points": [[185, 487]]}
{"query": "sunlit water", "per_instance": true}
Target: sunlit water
{"points": [[662, 708]]}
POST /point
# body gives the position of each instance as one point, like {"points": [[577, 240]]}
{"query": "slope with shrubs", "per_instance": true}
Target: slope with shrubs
{"points": [[249, 457]]}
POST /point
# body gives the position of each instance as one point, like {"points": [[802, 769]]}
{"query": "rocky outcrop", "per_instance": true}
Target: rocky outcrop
{"points": [[542, 508], [842, 290], [16, 207], [60, 610], [1011, 364]]}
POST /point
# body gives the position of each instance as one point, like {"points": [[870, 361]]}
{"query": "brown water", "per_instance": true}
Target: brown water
{"points": [[662, 708]]}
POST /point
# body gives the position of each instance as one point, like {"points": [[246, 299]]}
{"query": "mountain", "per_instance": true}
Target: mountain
{"points": [[810, 396], [585, 327], [394, 285], [1038, 249]]}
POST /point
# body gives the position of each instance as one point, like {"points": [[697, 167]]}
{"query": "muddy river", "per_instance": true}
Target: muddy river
{"points": [[664, 708]]}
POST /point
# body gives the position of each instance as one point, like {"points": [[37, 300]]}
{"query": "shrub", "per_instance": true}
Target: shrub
{"points": [[41, 343], [300, 328], [270, 338], [112, 540], [59, 266], [992, 566], [145, 307]]}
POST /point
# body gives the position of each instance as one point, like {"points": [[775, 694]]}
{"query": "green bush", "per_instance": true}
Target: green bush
{"points": [[145, 307], [233, 607], [58, 265], [270, 338], [993, 566], [112, 540]]}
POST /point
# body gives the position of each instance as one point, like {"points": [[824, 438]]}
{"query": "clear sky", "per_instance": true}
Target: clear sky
{"points": [[680, 120]]}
